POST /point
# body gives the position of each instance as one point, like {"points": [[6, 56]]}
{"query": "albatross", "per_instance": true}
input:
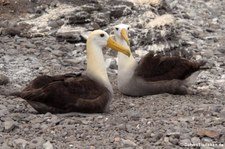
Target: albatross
{"points": [[90, 92], [153, 74]]}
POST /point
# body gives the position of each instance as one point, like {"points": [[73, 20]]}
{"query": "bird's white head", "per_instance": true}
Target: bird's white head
{"points": [[102, 39], [121, 32]]}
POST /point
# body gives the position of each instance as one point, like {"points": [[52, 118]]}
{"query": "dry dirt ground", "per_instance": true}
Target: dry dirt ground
{"points": [[158, 121]]}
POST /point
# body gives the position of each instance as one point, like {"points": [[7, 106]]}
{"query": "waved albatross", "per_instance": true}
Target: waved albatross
{"points": [[154, 74], [90, 92]]}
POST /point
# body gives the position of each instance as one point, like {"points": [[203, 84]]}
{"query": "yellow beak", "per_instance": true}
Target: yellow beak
{"points": [[115, 46], [125, 36]]}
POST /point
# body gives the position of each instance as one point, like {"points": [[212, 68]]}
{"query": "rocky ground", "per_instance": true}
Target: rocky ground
{"points": [[48, 37]]}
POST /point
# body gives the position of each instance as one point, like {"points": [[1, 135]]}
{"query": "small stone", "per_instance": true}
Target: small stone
{"points": [[206, 140], [195, 140], [9, 125], [30, 45], [156, 137], [222, 113], [113, 64], [73, 37], [36, 142], [174, 134], [185, 136], [3, 79], [185, 142], [3, 112], [128, 143], [174, 141], [21, 143], [75, 61], [117, 139], [47, 145]]}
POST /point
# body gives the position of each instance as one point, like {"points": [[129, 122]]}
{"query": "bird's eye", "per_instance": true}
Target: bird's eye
{"points": [[117, 28], [128, 28], [102, 35]]}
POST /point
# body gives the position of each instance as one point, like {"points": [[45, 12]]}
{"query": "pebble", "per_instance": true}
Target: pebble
{"points": [[113, 64], [174, 141], [206, 140], [3, 110], [9, 125], [47, 145], [72, 37], [21, 143], [91, 131], [57, 53], [36, 142], [185, 142], [128, 143], [79, 17], [195, 140], [3, 79], [74, 61]]}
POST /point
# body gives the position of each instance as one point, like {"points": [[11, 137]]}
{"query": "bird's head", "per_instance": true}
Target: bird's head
{"points": [[121, 31], [102, 39]]}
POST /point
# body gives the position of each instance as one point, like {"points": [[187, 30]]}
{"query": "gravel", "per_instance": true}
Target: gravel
{"points": [[45, 42]]}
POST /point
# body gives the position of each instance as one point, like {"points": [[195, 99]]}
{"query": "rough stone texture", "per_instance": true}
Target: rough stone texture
{"points": [[158, 121]]}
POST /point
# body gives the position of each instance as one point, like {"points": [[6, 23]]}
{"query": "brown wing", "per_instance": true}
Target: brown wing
{"points": [[66, 93], [156, 68]]}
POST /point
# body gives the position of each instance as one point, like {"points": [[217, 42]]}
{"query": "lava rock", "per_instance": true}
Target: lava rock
{"points": [[72, 37], [119, 11], [12, 31], [102, 19], [55, 23], [80, 17], [92, 7]]}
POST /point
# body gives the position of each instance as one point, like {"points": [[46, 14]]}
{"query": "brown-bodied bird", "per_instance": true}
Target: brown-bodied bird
{"points": [[90, 92], [154, 74]]}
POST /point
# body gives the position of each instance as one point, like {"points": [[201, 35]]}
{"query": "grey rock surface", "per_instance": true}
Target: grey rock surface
{"points": [[48, 41]]}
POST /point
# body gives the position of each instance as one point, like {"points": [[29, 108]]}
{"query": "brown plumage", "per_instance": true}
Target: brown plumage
{"points": [[90, 92], [66, 93], [158, 68]]}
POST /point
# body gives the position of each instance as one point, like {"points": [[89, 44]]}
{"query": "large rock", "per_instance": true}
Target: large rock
{"points": [[79, 17]]}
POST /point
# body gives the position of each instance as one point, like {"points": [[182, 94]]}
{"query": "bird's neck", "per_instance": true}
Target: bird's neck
{"points": [[96, 68], [126, 64]]}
